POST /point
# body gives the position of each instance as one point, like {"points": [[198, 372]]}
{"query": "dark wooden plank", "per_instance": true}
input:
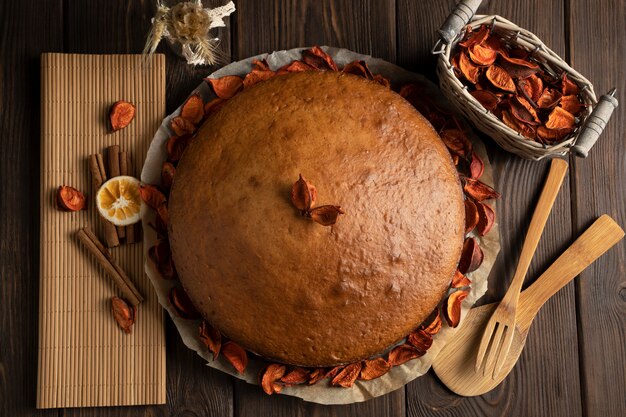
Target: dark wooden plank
{"points": [[367, 27], [121, 27], [26, 30], [598, 48], [545, 382]]}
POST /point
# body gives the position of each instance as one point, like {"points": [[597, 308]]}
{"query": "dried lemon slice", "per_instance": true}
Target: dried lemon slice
{"points": [[119, 202]]}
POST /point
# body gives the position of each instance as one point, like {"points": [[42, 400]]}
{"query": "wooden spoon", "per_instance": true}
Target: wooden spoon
{"points": [[454, 365]]}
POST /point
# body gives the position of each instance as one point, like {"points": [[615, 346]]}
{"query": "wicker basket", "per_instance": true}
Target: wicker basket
{"points": [[486, 121]]}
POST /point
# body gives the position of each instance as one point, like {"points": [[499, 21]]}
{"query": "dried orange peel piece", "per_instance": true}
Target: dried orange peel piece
{"points": [[119, 202]]}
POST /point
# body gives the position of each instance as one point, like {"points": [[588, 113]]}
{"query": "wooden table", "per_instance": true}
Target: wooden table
{"points": [[574, 360]]}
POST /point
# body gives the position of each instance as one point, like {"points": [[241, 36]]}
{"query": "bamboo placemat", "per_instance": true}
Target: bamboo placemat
{"points": [[85, 359]]}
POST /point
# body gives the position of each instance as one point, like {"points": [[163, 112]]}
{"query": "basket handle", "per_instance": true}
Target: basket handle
{"points": [[595, 124], [457, 20]]}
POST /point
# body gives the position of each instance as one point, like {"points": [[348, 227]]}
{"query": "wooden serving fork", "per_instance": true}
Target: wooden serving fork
{"points": [[451, 364], [498, 335]]}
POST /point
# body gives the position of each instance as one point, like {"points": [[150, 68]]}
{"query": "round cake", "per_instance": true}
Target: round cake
{"points": [[283, 286]]}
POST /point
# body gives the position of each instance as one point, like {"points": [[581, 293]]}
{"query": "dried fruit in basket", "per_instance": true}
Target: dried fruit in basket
{"points": [[511, 84]]}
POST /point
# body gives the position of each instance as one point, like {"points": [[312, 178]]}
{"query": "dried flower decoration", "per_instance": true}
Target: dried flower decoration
{"points": [[187, 25], [303, 196]]}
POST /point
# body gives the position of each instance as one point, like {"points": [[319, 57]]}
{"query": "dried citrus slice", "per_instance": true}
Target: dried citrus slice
{"points": [[119, 202]]}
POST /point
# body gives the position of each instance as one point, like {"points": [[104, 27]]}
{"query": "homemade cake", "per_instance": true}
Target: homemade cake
{"points": [[276, 282]]}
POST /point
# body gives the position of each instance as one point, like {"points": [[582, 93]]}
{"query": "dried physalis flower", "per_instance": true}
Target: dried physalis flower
{"points": [[432, 324], [486, 218], [471, 215], [175, 147], [471, 256], [477, 166], [303, 194], [571, 104], [318, 59], [317, 375], [70, 199], [270, 376], [121, 114], [331, 373], [485, 97], [560, 118], [346, 377], [123, 313], [193, 109], [460, 280], [358, 68], [213, 106], [325, 215], [152, 196], [295, 376], [549, 98], [167, 174], [161, 256], [456, 141], [183, 306], [226, 87], [482, 55], [402, 353], [531, 87], [384, 81], [476, 37], [182, 126], [517, 67], [257, 75], [478, 190], [374, 368], [295, 66], [499, 78], [523, 128], [235, 355], [452, 307], [568, 86], [469, 70], [523, 111], [211, 337], [546, 135], [420, 340]]}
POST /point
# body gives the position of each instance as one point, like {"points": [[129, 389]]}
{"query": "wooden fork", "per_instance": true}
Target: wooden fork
{"points": [[498, 335]]}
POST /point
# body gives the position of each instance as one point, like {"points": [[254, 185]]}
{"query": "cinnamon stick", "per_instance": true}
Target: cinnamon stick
{"points": [[113, 159], [126, 169], [103, 171], [108, 263], [98, 177]]}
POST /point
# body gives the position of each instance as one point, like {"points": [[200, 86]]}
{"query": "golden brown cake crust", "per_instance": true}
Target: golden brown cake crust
{"points": [[283, 286]]}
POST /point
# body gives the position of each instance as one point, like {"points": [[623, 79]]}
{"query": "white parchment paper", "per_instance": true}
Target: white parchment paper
{"points": [[321, 392]]}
